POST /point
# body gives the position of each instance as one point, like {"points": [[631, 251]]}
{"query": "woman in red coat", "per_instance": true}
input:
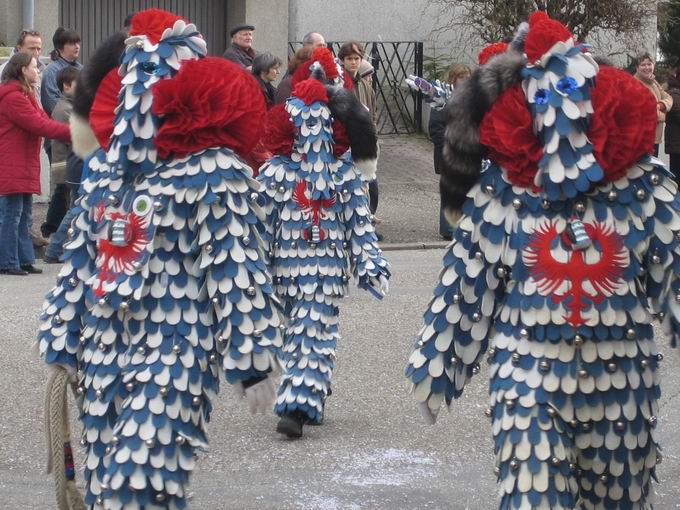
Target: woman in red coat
{"points": [[22, 124]]}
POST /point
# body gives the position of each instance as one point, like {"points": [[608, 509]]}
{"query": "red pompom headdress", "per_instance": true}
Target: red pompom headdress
{"points": [[544, 33], [152, 23], [310, 91], [321, 58]]}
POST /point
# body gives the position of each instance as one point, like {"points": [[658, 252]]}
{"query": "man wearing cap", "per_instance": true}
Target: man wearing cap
{"points": [[241, 50]]}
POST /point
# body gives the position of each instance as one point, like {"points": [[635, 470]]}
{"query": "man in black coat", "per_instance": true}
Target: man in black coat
{"points": [[241, 50], [437, 127]]}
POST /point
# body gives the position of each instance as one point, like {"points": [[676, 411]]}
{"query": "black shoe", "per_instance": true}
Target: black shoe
{"points": [[290, 425], [31, 269], [447, 237], [14, 272], [379, 237], [51, 260]]}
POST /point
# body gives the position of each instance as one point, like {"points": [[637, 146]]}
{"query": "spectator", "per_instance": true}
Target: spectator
{"points": [[360, 71], [672, 134], [436, 128], [284, 89], [22, 123], [30, 41], [241, 50], [266, 69], [65, 54], [645, 73], [59, 196], [313, 40]]}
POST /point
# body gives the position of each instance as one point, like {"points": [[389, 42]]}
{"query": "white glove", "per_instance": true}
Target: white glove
{"points": [[384, 285], [260, 396], [427, 414]]}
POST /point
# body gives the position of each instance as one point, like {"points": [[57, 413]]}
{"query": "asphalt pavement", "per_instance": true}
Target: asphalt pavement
{"points": [[373, 451]]}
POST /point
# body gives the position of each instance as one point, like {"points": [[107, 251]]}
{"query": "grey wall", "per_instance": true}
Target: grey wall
{"points": [[386, 20], [412, 20], [10, 21]]}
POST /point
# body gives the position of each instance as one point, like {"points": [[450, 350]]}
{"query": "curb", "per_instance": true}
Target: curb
{"points": [[434, 245]]}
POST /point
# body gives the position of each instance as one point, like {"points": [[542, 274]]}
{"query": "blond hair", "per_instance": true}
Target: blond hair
{"points": [[456, 72]]}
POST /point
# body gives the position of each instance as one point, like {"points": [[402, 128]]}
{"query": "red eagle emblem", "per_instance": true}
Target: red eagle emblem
{"points": [[114, 259], [576, 280], [312, 209]]}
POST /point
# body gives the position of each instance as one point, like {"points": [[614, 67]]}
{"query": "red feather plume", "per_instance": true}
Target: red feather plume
{"points": [[324, 56], [491, 50], [303, 71], [152, 23], [210, 102]]}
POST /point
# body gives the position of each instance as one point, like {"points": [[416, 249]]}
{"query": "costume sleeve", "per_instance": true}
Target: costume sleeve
{"points": [[237, 280], [273, 176], [367, 263], [30, 118], [65, 305], [662, 258], [459, 316]]}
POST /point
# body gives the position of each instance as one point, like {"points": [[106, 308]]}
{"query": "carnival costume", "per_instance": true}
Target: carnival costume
{"points": [[318, 230], [164, 281], [568, 248]]}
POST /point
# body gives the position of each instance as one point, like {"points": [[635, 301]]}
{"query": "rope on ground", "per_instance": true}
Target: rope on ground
{"points": [[60, 457]]}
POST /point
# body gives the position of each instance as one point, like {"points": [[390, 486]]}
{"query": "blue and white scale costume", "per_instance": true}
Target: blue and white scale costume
{"points": [[164, 285], [558, 287], [319, 233]]}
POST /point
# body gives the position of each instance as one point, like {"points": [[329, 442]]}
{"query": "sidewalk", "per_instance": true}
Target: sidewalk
{"points": [[409, 194]]}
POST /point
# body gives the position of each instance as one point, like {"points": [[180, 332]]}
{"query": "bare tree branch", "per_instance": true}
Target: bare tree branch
{"points": [[494, 20]]}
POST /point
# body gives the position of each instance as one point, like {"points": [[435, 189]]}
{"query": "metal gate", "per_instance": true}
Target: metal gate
{"points": [[95, 20], [399, 109]]}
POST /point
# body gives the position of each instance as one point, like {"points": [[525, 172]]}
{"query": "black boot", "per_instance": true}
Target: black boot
{"points": [[290, 425]]}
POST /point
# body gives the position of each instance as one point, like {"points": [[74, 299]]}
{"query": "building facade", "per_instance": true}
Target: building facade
{"points": [[276, 21]]}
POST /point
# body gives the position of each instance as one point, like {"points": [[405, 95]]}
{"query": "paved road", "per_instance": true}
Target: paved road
{"points": [[372, 453]]}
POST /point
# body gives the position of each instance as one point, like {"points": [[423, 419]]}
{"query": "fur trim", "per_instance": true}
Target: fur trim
{"points": [[82, 137], [368, 168], [453, 217], [520, 37], [463, 151], [347, 108]]}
